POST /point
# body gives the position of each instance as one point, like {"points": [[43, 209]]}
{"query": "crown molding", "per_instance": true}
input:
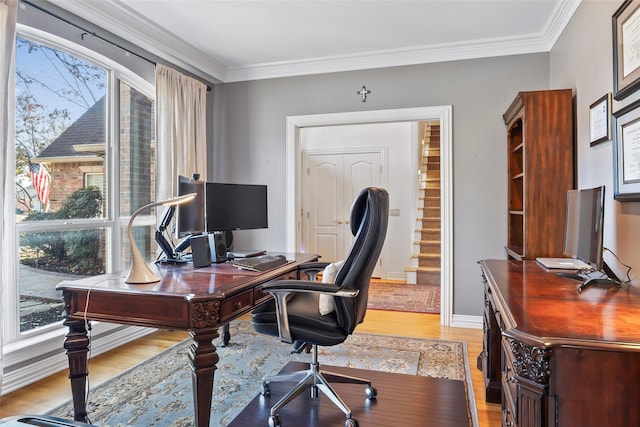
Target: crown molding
{"points": [[560, 16], [124, 22], [121, 20], [390, 58], [475, 49]]}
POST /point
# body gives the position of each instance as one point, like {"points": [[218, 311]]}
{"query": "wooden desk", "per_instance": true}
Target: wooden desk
{"points": [[556, 357], [196, 300]]}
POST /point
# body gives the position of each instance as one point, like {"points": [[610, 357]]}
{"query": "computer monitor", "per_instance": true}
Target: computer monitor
{"points": [[235, 207], [190, 216], [584, 222]]}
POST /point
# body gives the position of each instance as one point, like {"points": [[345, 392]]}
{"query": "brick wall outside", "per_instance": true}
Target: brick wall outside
{"points": [[65, 179]]}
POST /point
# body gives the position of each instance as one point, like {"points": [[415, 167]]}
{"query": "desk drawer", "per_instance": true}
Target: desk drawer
{"points": [[236, 304], [259, 296]]}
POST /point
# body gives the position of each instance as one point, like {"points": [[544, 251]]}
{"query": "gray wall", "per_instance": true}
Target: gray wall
{"points": [[582, 59], [249, 140]]}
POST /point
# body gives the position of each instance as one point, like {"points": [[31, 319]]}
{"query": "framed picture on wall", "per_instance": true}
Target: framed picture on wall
{"points": [[626, 153], [626, 49], [600, 120]]}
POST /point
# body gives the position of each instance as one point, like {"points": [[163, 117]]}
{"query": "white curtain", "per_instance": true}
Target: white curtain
{"points": [[181, 122], [8, 16]]}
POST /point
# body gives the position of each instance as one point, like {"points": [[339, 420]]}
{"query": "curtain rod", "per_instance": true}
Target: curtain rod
{"points": [[92, 33]]}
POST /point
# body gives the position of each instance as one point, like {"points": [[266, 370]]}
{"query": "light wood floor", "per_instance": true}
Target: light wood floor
{"points": [[52, 391]]}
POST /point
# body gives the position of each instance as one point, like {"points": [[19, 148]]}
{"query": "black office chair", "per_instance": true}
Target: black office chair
{"points": [[293, 315]]}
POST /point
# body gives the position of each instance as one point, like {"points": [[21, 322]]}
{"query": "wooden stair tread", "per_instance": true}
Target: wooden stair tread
{"points": [[426, 256], [429, 211], [421, 269]]}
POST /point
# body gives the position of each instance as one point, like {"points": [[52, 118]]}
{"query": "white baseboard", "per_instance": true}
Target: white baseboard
{"points": [[465, 321], [396, 275], [32, 369]]}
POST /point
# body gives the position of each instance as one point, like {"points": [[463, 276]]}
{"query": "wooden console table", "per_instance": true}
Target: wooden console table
{"points": [[196, 300], [556, 357]]}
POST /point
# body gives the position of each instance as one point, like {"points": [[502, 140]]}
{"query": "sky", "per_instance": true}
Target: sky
{"points": [[36, 64]]}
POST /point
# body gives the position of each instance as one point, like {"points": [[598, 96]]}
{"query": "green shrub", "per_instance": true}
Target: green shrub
{"points": [[77, 250]]}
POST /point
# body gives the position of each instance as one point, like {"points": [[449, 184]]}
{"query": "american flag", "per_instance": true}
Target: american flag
{"points": [[40, 178]]}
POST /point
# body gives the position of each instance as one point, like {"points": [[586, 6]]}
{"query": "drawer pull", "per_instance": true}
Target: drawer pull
{"points": [[237, 305]]}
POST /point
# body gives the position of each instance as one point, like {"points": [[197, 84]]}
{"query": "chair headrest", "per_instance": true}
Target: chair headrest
{"points": [[359, 207]]}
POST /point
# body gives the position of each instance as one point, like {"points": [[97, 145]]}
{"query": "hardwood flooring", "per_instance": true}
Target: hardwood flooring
{"points": [[54, 390]]}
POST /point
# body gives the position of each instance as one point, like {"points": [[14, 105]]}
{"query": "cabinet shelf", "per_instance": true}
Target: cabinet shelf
{"points": [[540, 171], [514, 252]]}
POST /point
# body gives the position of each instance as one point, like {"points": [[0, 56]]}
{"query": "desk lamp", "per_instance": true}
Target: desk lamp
{"points": [[140, 272]]}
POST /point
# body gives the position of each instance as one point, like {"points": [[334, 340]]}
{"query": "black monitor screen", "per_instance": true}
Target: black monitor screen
{"points": [[236, 206], [584, 221], [190, 215]]}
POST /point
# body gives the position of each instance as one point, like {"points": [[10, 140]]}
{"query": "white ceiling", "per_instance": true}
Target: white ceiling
{"points": [[239, 40]]}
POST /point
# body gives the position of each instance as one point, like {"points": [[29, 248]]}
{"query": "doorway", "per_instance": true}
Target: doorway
{"points": [[443, 114]]}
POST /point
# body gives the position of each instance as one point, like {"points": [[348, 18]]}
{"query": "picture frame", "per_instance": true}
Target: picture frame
{"points": [[626, 153], [626, 60], [600, 120]]}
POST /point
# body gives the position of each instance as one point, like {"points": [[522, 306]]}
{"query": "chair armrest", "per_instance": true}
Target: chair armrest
{"points": [[312, 269], [298, 285], [293, 286], [283, 289], [313, 265]]}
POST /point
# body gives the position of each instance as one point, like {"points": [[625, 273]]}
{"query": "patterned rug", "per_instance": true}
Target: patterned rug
{"points": [[399, 296], [158, 392]]}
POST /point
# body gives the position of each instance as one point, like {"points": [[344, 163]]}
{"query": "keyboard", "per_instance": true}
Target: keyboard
{"points": [[261, 263], [246, 253]]}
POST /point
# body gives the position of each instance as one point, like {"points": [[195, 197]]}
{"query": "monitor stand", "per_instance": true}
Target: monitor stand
{"points": [[610, 280], [598, 281], [177, 260]]}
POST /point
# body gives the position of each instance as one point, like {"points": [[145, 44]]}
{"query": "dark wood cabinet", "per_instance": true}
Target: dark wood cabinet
{"points": [[540, 155], [555, 357]]}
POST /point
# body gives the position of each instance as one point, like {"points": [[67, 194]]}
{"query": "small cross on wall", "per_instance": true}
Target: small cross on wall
{"points": [[363, 93]]}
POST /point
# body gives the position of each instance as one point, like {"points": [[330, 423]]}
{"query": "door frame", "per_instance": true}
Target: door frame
{"points": [[294, 178]]}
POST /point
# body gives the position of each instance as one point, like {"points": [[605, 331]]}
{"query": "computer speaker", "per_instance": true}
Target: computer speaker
{"points": [[218, 247], [228, 238], [200, 252]]}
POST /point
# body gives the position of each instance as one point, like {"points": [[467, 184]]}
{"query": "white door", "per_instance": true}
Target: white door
{"points": [[332, 183]]}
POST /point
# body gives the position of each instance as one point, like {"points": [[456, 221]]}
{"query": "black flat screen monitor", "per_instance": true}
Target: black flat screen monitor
{"points": [[236, 206], [190, 216], [584, 222]]}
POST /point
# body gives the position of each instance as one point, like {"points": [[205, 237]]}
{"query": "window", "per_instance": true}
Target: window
{"points": [[85, 160], [94, 179]]}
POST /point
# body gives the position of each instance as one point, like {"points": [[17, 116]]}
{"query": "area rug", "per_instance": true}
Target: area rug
{"points": [[158, 392], [399, 296]]}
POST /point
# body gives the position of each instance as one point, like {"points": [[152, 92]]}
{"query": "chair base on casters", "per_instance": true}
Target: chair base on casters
{"points": [[315, 380]]}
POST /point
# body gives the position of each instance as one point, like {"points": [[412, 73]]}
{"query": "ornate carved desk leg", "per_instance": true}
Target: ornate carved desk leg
{"points": [[77, 346], [203, 359]]}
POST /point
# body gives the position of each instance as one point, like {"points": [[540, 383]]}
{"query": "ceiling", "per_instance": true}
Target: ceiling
{"points": [[239, 40]]}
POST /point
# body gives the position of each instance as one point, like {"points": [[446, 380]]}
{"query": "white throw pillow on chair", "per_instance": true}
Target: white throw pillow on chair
{"points": [[326, 302]]}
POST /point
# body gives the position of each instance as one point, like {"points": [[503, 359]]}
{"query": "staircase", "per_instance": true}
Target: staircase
{"points": [[425, 262]]}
